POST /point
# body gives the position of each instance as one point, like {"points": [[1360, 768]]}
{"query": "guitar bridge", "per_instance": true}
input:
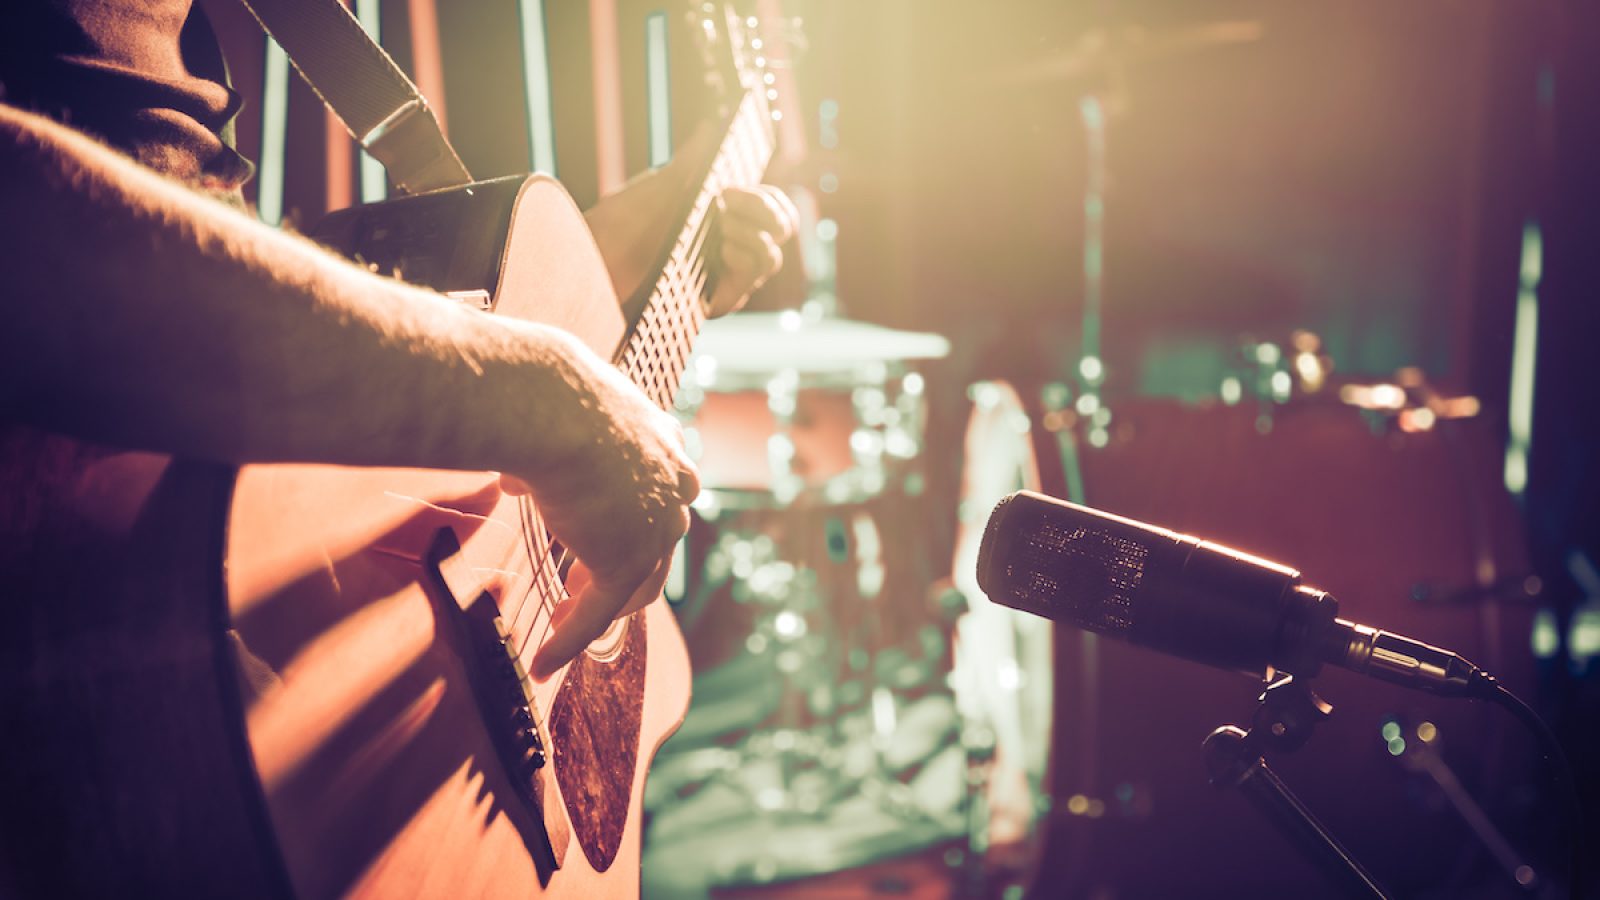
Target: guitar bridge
{"points": [[504, 693], [506, 665]]}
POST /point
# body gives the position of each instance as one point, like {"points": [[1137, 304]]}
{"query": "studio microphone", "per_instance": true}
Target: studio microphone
{"points": [[1191, 598]]}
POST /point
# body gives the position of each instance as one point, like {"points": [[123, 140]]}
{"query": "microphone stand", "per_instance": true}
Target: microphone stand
{"points": [[1286, 715]]}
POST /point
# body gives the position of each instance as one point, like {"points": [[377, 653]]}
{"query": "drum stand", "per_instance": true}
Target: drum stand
{"points": [[807, 756], [812, 436], [1284, 720], [814, 760], [825, 752]]}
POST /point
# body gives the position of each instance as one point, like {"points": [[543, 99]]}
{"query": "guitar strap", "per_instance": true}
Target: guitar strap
{"points": [[363, 87]]}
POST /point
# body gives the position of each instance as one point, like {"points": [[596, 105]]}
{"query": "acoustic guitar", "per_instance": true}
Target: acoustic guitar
{"points": [[310, 680]]}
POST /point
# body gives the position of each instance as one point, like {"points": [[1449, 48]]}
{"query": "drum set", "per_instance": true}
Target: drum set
{"points": [[858, 702], [840, 713]]}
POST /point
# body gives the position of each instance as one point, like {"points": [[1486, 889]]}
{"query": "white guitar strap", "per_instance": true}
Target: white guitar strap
{"points": [[358, 81]]}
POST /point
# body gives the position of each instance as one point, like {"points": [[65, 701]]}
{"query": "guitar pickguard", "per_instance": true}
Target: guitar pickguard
{"points": [[594, 730]]}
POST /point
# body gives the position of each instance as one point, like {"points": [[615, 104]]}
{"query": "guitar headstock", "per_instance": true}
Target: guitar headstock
{"points": [[738, 58]]}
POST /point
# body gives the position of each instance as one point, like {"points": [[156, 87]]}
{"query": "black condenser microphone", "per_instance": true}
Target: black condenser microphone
{"points": [[1191, 598]]}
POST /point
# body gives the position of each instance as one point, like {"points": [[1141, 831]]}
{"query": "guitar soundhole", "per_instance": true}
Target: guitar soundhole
{"points": [[594, 732]]}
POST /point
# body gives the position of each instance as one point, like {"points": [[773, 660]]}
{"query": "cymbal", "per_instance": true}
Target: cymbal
{"points": [[767, 343], [1102, 50]]}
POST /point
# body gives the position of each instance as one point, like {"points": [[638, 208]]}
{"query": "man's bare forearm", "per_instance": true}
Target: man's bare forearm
{"points": [[137, 313]]}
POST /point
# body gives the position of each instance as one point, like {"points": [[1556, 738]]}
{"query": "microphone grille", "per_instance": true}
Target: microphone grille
{"points": [[1063, 562]]}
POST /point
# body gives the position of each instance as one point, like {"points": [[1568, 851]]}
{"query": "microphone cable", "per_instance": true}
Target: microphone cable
{"points": [[1489, 688]]}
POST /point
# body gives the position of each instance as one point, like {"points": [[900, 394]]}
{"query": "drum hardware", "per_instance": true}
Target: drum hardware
{"points": [[1002, 675], [1270, 374], [1416, 745], [844, 679], [886, 753], [805, 413], [1507, 589], [809, 437], [867, 744], [1265, 373], [1274, 375], [870, 749], [1408, 403]]}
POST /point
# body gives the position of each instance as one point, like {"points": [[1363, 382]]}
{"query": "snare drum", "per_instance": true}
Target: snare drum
{"points": [[822, 735], [781, 410]]}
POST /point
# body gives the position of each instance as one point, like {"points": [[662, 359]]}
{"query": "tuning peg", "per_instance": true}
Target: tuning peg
{"points": [[532, 762]]}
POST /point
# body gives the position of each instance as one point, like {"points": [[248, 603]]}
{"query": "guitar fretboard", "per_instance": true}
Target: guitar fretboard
{"points": [[658, 349]]}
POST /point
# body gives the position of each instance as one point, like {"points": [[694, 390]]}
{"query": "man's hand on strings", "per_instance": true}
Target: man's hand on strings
{"points": [[619, 503]]}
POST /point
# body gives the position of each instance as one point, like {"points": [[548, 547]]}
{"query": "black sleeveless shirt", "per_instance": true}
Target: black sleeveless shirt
{"points": [[145, 76]]}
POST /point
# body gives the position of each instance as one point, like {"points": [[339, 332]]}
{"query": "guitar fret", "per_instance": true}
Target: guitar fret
{"points": [[741, 139], [658, 352]]}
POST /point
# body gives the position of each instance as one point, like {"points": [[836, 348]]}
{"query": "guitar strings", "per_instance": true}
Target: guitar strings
{"points": [[745, 168], [546, 582], [545, 568], [545, 576], [534, 533]]}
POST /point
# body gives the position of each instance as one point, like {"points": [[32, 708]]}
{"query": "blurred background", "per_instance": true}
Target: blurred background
{"points": [[1314, 280]]}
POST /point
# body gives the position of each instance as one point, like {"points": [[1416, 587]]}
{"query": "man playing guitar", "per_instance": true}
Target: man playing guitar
{"points": [[139, 313]]}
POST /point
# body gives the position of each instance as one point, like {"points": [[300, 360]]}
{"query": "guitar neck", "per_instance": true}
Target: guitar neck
{"points": [[657, 348]]}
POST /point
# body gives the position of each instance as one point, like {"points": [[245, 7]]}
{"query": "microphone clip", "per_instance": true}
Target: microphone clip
{"points": [[1287, 713]]}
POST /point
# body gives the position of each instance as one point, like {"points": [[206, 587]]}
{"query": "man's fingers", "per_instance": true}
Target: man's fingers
{"points": [[749, 240], [738, 257], [578, 580], [751, 258], [756, 222], [688, 472], [650, 590], [619, 508], [788, 213], [588, 615], [688, 484], [773, 255], [763, 208]]}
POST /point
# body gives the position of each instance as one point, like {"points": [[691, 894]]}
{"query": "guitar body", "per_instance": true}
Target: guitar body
{"points": [[310, 680], [334, 740], [380, 772]]}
